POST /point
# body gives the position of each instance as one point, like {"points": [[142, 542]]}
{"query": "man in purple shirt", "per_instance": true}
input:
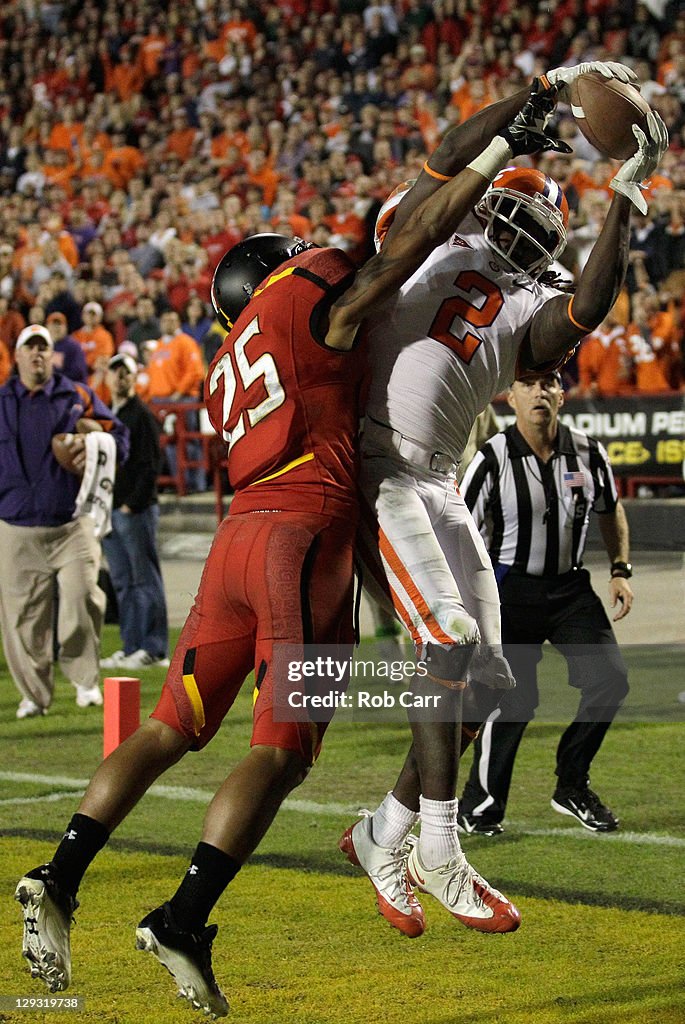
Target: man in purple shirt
{"points": [[40, 540], [67, 356]]}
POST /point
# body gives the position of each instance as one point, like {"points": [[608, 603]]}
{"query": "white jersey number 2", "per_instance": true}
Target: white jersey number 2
{"points": [[264, 367], [481, 312]]}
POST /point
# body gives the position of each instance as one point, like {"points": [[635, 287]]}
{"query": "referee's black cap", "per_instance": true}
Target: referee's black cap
{"points": [[528, 375]]}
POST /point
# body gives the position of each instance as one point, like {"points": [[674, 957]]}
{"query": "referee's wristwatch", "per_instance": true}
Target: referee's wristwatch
{"points": [[623, 570]]}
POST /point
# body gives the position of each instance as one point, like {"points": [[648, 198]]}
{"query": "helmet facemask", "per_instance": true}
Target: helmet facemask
{"points": [[533, 229]]}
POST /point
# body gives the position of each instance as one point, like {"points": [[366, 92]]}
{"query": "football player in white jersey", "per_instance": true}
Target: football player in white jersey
{"points": [[477, 313]]}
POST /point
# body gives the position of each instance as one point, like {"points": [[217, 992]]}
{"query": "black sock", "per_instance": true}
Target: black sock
{"points": [[209, 873], [83, 839]]}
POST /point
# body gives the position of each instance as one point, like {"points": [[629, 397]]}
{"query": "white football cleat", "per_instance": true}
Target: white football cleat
{"points": [[463, 892], [387, 871], [47, 924]]}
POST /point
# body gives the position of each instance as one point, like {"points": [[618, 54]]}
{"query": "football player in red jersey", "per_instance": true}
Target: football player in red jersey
{"points": [[284, 392]]}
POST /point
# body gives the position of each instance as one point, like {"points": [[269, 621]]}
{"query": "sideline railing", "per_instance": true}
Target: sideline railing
{"points": [[644, 436]]}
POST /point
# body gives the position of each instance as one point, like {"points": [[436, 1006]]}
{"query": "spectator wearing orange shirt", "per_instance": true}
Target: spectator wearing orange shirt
{"points": [[175, 372], [469, 88], [232, 135], [604, 362], [592, 178], [347, 229], [420, 73], [95, 340], [59, 169], [665, 339], [151, 51], [66, 133], [175, 368], [654, 345], [214, 48], [259, 173], [121, 162], [239, 30], [54, 228], [181, 138], [92, 139], [126, 76], [285, 210]]}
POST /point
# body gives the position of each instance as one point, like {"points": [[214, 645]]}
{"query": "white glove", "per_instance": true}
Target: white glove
{"points": [[650, 149], [563, 78]]}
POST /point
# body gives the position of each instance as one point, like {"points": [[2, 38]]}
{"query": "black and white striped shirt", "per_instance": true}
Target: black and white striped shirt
{"points": [[534, 516]]}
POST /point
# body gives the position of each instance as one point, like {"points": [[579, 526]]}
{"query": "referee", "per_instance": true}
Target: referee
{"points": [[531, 489]]}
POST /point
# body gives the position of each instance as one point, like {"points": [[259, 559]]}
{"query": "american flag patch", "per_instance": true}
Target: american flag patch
{"points": [[576, 479]]}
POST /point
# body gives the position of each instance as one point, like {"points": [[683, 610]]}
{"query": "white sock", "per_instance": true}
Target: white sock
{"points": [[392, 822], [438, 841]]}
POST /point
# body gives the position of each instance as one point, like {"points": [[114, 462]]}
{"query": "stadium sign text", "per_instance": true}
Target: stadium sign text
{"points": [[644, 436]]}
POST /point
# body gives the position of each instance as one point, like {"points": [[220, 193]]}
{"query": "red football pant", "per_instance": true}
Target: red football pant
{"points": [[271, 577]]}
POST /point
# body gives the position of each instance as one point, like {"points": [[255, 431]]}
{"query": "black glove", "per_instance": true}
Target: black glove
{"points": [[526, 133]]}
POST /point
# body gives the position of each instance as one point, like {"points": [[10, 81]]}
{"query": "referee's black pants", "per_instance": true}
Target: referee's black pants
{"points": [[566, 611]]}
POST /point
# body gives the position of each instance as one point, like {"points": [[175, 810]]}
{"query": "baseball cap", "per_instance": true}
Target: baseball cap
{"points": [[32, 332], [93, 307], [526, 376], [122, 359], [57, 317]]}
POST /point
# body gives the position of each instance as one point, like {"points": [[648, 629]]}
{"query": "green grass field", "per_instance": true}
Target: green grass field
{"points": [[300, 942]]}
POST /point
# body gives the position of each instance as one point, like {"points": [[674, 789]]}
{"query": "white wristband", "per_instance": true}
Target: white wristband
{"points": [[492, 159]]}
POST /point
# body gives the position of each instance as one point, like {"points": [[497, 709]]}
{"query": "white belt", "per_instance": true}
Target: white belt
{"points": [[416, 454]]}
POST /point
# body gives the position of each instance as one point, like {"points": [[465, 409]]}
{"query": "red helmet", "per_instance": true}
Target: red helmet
{"points": [[526, 216], [386, 214]]}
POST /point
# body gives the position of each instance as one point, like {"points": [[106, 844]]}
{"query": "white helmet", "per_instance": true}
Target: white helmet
{"points": [[533, 208]]}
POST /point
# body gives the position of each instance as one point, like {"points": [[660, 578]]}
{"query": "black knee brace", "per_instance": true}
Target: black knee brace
{"points": [[448, 663]]}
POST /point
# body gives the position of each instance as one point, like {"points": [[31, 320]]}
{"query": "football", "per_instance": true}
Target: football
{"points": [[69, 454], [605, 111]]}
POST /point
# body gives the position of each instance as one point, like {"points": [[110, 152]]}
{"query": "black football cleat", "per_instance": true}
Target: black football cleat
{"points": [[187, 956]]}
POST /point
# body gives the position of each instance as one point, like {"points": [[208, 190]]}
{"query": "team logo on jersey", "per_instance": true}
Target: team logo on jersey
{"points": [[457, 240]]}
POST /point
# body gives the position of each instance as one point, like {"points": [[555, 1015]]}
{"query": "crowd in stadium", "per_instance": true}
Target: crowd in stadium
{"points": [[139, 141]]}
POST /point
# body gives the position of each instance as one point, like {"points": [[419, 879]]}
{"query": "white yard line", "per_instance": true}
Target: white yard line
{"points": [[48, 798], [188, 793]]}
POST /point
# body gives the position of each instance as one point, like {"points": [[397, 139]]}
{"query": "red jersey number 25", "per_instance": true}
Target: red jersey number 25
{"points": [[263, 367], [486, 300]]}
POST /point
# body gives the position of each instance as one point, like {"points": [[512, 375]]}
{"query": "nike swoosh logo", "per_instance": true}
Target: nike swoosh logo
{"points": [[585, 814], [421, 881]]}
